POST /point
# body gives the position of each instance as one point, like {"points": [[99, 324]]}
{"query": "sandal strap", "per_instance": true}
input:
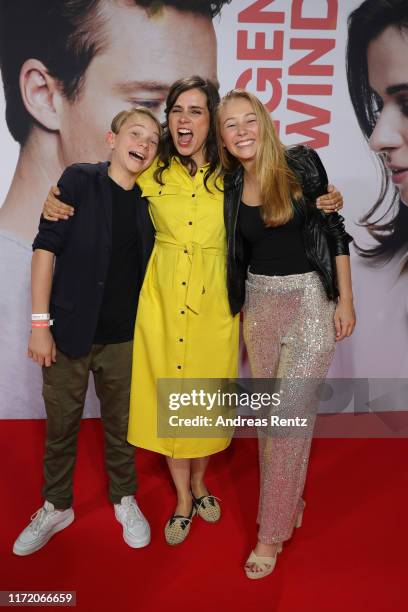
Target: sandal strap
{"points": [[200, 501], [253, 558]]}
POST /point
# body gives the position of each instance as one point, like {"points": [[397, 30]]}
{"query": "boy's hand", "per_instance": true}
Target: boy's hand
{"points": [[344, 319], [54, 209], [41, 347], [330, 202]]}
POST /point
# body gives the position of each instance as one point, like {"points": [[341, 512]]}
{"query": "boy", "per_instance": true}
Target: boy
{"points": [[90, 299]]}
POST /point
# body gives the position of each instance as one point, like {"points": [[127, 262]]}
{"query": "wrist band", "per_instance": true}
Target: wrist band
{"points": [[43, 324], [41, 317]]}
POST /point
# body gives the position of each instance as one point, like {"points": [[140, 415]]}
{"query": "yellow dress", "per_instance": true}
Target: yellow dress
{"points": [[184, 327]]}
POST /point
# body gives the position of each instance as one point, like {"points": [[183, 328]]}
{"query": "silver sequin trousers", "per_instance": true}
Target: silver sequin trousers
{"points": [[289, 334]]}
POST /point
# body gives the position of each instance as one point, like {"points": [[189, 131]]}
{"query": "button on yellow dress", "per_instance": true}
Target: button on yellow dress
{"points": [[184, 327]]}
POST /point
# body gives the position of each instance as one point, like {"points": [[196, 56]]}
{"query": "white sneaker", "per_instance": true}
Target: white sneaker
{"points": [[44, 523], [136, 529]]}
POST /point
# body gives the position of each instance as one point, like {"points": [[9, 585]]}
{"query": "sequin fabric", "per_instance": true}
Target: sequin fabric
{"points": [[289, 334]]}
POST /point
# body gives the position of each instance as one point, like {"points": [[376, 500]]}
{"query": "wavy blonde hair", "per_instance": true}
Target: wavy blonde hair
{"points": [[278, 184]]}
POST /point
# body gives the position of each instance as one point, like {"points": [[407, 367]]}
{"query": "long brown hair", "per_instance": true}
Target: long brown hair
{"points": [[168, 149], [278, 184]]}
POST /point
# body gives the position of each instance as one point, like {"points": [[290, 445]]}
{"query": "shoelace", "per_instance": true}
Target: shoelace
{"points": [[133, 515], [38, 519], [210, 499]]}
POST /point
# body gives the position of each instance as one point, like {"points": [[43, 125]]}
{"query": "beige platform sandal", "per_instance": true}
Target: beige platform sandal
{"points": [[261, 566], [266, 565]]}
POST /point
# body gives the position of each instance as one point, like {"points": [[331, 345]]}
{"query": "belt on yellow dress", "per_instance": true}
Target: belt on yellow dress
{"points": [[195, 288]]}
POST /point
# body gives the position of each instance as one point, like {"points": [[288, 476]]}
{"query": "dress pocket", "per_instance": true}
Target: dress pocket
{"points": [[155, 190]]}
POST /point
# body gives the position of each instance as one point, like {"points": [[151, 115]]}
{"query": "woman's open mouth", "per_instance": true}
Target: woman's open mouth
{"points": [[184, 136]]}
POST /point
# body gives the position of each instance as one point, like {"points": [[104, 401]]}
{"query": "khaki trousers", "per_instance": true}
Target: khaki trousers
{"points": [[64, 389]]}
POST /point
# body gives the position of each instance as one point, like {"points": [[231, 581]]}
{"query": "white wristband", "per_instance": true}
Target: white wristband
{"points": [[45, 316]]}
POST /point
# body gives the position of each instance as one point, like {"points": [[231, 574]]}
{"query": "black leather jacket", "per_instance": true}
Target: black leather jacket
{"points": [[324, 235]]}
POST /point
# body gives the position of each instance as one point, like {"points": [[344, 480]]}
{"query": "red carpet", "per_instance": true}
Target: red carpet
{"points": [[350, 554]]}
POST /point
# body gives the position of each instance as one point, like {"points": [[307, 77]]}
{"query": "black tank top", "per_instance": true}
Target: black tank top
{"points": [[274, 251]]}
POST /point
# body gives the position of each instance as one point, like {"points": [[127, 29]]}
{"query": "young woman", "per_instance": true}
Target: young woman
{"points": [[377, 74], [184, 326], [296, 303]]}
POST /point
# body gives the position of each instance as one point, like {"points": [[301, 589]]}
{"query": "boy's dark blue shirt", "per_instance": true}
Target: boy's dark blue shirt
{"points": [[83, 246]]}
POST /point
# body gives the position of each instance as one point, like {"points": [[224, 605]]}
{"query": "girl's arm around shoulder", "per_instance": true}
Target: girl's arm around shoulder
{"points": [[309, 168], [63, 199], [307, 165], [51, 236], [317, 183]]}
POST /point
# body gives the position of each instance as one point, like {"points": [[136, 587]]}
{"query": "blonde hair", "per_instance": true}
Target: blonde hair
{"points": [[124, 115], [278, 184]]}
